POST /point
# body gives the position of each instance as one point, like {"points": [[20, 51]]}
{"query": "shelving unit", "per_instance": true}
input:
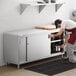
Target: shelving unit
{"points": [[40, 5], [55, 45]]}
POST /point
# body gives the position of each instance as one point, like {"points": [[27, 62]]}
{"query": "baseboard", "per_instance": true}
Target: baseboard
{"points": [[1, 62]]}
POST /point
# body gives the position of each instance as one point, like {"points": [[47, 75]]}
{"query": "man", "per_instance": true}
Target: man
{"points": [[70, 27]]}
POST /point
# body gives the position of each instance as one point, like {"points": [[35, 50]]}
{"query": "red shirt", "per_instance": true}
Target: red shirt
{"points": [[72, 36]]}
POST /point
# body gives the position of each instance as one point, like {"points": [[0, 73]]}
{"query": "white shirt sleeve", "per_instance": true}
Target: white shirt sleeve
{"points": [[63, 25], [69, 24]]}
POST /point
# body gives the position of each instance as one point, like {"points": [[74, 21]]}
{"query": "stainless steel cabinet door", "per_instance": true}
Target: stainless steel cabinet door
{"points": [[38, 47], [22, 49]]}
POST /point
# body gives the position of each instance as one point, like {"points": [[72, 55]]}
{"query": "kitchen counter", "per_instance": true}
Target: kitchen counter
{"points": [[29, 32]]}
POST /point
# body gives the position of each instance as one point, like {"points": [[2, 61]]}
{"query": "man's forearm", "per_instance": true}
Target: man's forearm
{"points": [[59, 33], [67, 38]]}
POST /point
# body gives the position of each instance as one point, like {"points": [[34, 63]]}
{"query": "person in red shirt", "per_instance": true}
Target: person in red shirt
{"points": [[69, 27]]}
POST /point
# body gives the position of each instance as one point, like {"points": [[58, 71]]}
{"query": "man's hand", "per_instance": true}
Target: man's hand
{"points": [[62, 46], [51, 36]]}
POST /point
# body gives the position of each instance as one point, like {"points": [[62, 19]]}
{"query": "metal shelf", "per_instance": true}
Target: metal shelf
{"points": [[56, 40], [41, 6]]}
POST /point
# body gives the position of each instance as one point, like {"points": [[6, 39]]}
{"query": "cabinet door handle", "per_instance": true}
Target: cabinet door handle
{"points": [[19, 41], [26, 49]]}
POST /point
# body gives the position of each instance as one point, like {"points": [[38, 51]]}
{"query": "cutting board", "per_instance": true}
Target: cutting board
{"points": [[49, 27]]}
